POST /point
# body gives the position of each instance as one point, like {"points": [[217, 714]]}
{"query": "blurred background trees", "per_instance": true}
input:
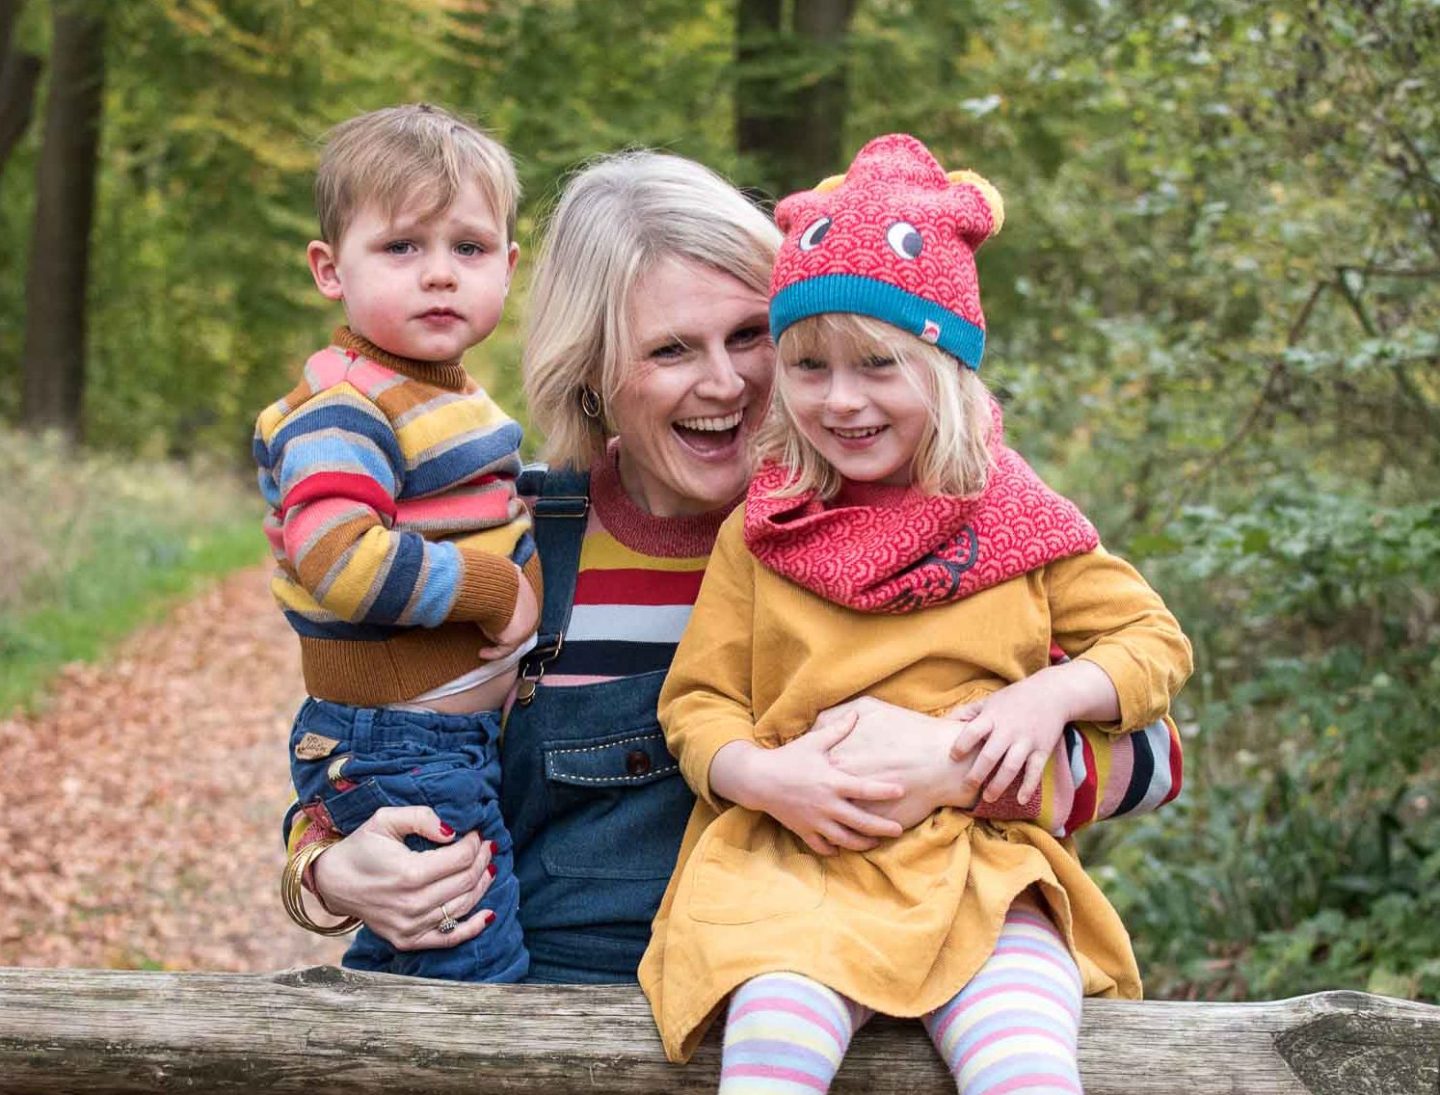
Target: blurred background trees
{"points": [[1214, 312]]}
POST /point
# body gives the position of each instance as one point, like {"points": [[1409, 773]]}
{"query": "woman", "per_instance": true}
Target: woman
{"points": [[648, 366]]}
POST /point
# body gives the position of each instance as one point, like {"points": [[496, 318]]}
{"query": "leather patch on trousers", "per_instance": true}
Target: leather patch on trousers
{"points": [[315, 746]]}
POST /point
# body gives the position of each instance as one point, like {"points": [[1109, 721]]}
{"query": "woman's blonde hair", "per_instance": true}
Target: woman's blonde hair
{"points": [[618, 218], [954, 454]]}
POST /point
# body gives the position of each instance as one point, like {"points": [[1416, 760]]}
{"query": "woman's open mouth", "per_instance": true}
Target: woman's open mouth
{"points": [[709, 436]]}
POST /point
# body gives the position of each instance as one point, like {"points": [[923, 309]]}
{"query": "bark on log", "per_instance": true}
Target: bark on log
{"points": [[327, 1030]]}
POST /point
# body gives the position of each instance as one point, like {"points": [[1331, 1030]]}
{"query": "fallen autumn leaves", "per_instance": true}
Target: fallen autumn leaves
{"points": [[140, 811]]}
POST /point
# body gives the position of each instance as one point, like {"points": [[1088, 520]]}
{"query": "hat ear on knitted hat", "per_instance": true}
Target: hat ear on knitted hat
{"points": [[894, 238], [976, 227]]}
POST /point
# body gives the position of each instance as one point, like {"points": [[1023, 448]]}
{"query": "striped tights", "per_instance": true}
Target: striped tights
{"points": [[1011, 1031]]}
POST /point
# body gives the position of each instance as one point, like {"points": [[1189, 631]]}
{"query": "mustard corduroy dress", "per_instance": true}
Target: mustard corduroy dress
{"points": [[903, 927]]}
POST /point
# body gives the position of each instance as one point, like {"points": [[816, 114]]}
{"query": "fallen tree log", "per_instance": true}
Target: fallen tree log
{"points": [[324, 1030]]}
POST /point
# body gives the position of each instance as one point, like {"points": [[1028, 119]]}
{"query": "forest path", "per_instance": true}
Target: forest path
{"points": [[140, 810]]}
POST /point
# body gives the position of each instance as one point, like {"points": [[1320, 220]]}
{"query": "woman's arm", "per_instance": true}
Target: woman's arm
{"points": [[1091, 775]]}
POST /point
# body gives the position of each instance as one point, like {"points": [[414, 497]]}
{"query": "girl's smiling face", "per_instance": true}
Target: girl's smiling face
{"points": [[693, 389], [865, 413]]}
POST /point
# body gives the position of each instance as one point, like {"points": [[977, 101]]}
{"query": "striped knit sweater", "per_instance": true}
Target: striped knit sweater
{"points": [[393, 520]]}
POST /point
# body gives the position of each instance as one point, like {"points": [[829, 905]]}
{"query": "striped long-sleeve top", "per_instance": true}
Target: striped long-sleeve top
{"points": [[393, 520]]}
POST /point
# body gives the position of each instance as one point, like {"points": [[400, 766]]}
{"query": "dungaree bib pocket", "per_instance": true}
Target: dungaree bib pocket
{"points": [[605, 794]]}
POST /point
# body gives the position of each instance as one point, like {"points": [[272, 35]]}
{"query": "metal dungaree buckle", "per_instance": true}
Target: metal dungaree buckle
{"points": [[534, 669]]}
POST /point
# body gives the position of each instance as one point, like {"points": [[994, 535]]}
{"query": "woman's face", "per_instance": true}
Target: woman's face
{"points": [[693, 389]]}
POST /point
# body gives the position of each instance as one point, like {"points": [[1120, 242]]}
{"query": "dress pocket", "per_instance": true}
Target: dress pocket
{"points": [[748, 867]]}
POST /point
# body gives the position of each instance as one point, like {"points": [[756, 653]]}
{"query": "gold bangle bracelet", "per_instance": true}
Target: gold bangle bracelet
{"points": [[292, 892]]}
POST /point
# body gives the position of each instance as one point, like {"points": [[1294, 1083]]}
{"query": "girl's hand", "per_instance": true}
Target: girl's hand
{"points": [[897, 745], [398, 893], [802, 788], [1021, 724]]}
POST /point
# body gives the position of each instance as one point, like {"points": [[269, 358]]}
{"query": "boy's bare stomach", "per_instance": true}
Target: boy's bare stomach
{"points": [[485, 696]]}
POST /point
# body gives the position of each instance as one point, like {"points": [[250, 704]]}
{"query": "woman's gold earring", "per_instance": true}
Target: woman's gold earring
{"points": [[590, 402]]}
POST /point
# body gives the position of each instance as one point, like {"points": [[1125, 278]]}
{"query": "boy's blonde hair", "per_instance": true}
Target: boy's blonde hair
{"points": [[617, 219], [416, 154], [954, 454]]}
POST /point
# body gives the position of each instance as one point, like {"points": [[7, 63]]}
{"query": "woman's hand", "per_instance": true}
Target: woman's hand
{"points": [[398, 893], [802, 788], [905, 748]]}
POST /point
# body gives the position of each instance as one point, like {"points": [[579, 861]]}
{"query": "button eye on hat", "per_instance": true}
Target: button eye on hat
{"points": [[811, 237], [894, 238], [904, 240]]}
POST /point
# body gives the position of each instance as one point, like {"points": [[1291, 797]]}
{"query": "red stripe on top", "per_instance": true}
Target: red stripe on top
{"points": [[1083, 809], [339, 484], [638, 587]]}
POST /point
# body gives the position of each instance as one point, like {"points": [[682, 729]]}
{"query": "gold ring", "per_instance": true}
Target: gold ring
{"points": [[447, 922]]}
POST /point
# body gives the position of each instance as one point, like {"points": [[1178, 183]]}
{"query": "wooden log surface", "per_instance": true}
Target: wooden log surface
{"points": [[323, 1030]]}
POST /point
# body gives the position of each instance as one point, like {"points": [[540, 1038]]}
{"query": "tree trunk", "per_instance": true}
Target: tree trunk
{"points": [[19, 73], [790, 95], [54, 355]]}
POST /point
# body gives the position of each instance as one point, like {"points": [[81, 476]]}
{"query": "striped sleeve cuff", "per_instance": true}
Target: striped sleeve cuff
{"points": [[488, 588]]}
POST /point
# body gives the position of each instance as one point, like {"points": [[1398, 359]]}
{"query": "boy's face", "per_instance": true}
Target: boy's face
{"points": [[424, 289]]}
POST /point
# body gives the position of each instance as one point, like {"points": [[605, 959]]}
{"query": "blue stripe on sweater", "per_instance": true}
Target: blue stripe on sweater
{"points": [[406, 561], [493, 451], [339, 629], [437, 595], [306, 455], [333, 414]]}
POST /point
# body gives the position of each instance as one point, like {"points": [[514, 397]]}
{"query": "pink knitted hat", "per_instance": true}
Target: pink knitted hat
{"points": [[894, 238]]}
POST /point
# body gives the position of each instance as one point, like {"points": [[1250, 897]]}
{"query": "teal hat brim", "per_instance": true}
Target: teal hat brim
{"points": [[880, 300]]}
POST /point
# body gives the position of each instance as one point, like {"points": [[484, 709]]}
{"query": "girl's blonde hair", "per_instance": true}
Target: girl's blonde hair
{"points": [[954, 454], [617, 219]]}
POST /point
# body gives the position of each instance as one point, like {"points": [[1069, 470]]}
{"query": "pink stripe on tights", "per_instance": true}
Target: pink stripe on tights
{"points": [[774, 1072], [779, 1003]]}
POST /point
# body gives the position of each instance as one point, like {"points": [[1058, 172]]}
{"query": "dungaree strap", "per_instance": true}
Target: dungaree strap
{"points": [[562, 505]]}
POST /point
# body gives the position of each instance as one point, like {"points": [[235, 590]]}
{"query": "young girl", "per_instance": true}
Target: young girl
{"points": [[892, 545]]}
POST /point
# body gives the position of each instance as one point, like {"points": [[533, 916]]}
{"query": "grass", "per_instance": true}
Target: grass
{"points": [[92, 547]]}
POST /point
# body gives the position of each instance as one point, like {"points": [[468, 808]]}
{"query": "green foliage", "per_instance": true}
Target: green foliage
{"points": [[1304, 855]]}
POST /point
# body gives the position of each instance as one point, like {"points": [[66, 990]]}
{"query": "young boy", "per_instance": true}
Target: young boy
{"points": [[405, 560]]}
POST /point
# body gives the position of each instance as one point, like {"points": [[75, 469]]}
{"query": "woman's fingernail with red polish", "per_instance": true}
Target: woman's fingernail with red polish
{"points": [[490, 869], [489, 917], [445, 830]]}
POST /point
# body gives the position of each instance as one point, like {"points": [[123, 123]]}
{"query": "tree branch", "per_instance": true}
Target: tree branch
{"points": [[1391, 271], [1257, 409]]}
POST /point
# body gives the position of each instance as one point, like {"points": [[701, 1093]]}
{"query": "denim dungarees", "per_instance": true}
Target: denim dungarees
{"points": [[594, 801]]}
